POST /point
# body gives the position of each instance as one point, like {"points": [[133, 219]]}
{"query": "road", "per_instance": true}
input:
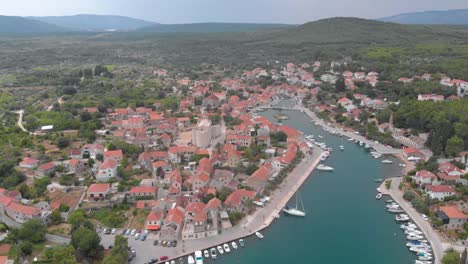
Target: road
{"points": [[259, 220], [438, 246], [20, 120]]}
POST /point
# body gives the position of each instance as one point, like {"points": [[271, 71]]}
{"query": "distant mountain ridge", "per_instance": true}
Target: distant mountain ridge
{"points": [[21, 25], [85, 22], [448, 17]]}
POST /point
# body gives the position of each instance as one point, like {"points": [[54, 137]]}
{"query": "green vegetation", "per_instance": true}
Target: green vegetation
{"points": [[119, 252], [111, 217], [451, 257]]}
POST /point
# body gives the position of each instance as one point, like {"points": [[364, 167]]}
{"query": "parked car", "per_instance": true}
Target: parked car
{"points": [[143, 237], [425, 217], [164, 243], [163, 258], [107, 231], [128, 232], [174, 243], [124, 231], [133, 232], [137, 236], [114, 231], [155, 242]]}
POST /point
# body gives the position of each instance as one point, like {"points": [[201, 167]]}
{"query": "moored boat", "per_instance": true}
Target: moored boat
{"points": [[241, 242], [234, 245], [226, 248], [378, 196], [220, 249], [206, 254], [295, 211], [198, 257], [259, 235], [387, 161], [213, 253], [378, 180], [190, 260], [322, 167]]}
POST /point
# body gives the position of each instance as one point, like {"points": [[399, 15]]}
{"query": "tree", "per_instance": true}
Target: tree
{"points": [[251, 169], [86, 242], [464, 256], [451, 257], [454, 146], [33, 230], [340, 85], [61, 255], [63, 142], [119, 253], [55, 217], [26, 247]]}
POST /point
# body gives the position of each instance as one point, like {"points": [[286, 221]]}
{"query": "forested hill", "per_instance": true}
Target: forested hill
{"points": [[446, 17], [20, 25], [211, 27], [87, 22]]}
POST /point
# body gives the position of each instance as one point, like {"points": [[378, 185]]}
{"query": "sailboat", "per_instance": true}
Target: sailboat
{"points": [[295, 211]]}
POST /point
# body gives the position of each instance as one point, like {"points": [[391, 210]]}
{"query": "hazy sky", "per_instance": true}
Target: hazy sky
{"points": [[258, 11]]}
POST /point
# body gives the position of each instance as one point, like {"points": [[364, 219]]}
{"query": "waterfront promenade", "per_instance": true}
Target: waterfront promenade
{"points": [[438, 246], [259, 220]]}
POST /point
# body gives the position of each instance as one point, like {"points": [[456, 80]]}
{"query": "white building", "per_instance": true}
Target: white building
{"points": [[204, 133]]}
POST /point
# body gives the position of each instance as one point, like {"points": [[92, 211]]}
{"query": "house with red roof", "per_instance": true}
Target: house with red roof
{"points": [[142, 192], [134, 122], [107, 170], [424, 177], [235, 202], [439, 191], [430, 97], [175, 182], [28, 163], [91, 150], [450, 169], [98, 191], [153, 221], [289, 131], [198, 222], [452, 217], [221, 178], [75, 165], [116, 155], [22, 213], [413, 154], [46, 169], [172, 224], [259, 179]]}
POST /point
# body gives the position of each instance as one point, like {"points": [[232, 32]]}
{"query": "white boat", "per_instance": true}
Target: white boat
{"points": [[413, 231], [213, 253], [350, 139], [220, 250], [226, 248], [387, 161], [378, 196], [378, 190], [322, 167], [320, 136], [399, 218], [408, 225], [259, 235], [420, 249], [414, 237], [206, 254], [341, 147], [198, 257], [295, 211], [422, 262], [378, 180], [425, 258], [234, 245], [389, 201], [190, 260], [367, 146], [402, 165]]}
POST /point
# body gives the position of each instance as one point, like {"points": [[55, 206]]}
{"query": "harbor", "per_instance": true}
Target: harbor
{"points": [[340, 207]]}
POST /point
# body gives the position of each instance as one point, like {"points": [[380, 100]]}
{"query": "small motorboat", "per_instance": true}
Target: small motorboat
{"points": [[198, 257], [234, 245], [322, 167], [220, 250], [387, 161], [389, 201], [320, 136], [226, 248], [206, 254], [190, 260], [414, 237], [341, 147], [259, 235], [213, 253], [378, 190], [402, 165], [378, 196], [241, 242], [378, 180], [413, 231], [172, 261]]}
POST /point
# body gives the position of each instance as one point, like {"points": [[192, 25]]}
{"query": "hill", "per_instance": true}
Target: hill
{"points": [[95, 22], [210, 27], [20, 25], [448, 17]]}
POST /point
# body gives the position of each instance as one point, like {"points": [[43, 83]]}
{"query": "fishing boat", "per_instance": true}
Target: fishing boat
{"points": [[378, 180], [198, 257], [322, 167], [259, 235], [226, 248], [234, 245], [378, 196], [295, 211], [190, 260], [241, 242], [213, 253], [220, 250], [206, 254], [387, 161]]}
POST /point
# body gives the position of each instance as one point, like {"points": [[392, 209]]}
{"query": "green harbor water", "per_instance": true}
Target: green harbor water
{"points": [[344, 222]]}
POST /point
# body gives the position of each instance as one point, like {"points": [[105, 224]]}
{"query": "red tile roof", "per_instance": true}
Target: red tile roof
{"points": [[108, 164], [235, 198], [47, 166], [99, 188], [175, 215], [289, 131], [23, 209], [214, 203], [453, 212], [113, 153], [29, 161], [154, 216], [143, 189], [440, 188]]}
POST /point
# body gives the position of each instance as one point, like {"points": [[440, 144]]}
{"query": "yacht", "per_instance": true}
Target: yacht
{"points": [[220, 249], [408, 225], [226, 248], [198, 257], [190, 260], [397, 211], [241, 242], [402, 218], [259, 235], [206, 254], [234, 245], [213, 253], [413, 231], [295, 211], [387, 161], [322, 167], [414, 237], [378, 196]]}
